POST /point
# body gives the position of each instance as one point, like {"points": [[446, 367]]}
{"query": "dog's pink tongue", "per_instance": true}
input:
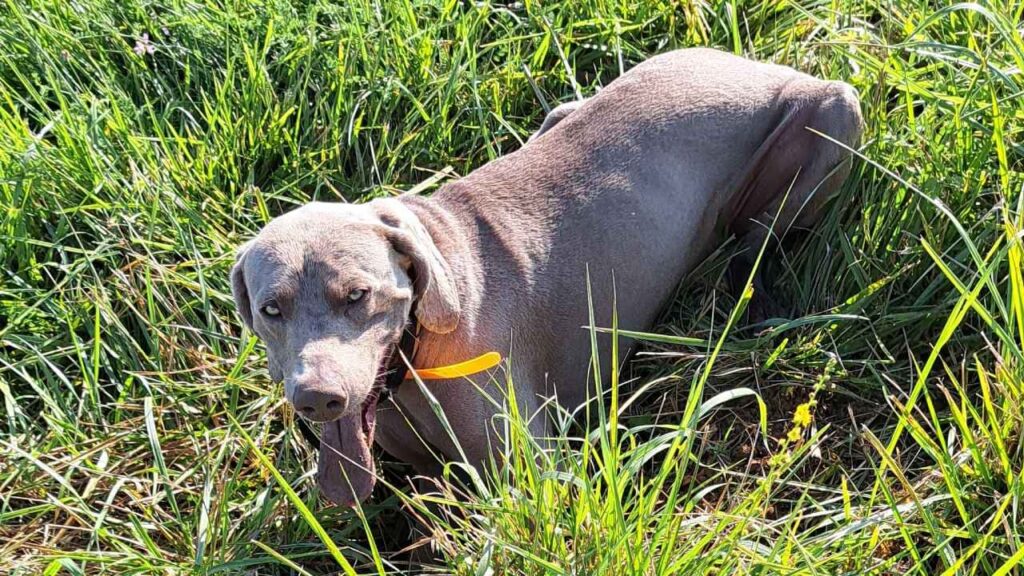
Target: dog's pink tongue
{"points": [[346, 470]]}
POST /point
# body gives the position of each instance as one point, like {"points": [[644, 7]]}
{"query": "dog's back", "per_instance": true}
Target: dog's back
{"points": [[640, 181]]}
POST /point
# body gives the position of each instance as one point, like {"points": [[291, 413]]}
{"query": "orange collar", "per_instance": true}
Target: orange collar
{"points": [[485, 361]]}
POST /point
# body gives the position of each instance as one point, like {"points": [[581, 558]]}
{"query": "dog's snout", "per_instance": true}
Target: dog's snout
{"points": [[325, 381], [320, 405]]}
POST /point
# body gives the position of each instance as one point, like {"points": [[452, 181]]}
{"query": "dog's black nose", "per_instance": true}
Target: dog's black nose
{"points": [[319, 405]]}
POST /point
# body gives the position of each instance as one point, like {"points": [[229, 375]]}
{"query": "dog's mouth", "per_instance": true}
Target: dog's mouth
{"points": [[347, 473]]}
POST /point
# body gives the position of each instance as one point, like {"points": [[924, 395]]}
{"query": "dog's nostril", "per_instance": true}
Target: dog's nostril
{"points": [[334, 405], [307, 410]]}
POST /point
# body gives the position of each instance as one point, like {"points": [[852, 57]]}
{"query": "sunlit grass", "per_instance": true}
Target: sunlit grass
{"points": [[875, 431]]}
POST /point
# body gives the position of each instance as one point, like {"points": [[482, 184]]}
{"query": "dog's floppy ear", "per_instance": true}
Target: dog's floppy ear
{"points": [[238, 288], [437, 307]]}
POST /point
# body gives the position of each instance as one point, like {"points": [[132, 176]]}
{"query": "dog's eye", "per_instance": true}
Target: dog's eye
{"points": [[356, 295], [271, 309]]}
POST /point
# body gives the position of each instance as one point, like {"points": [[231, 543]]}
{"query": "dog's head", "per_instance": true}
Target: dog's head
{"points": [[329, 289]]}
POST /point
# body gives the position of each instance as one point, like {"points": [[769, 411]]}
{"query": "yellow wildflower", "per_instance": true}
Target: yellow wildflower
{"points": [[802, 416]]}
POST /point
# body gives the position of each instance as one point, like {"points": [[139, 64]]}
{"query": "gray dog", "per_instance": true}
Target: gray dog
{"points": [[641, 181]]}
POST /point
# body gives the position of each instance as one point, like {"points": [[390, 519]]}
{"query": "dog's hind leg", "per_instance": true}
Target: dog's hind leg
{"points": [[799, 166]]}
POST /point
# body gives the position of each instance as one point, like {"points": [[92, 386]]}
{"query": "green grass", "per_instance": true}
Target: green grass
{"points": [[879, 432]]}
